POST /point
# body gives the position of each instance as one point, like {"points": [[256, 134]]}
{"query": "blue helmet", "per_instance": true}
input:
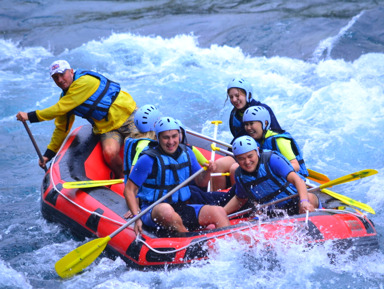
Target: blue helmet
{"points": [[244, 144], [146, 117], [243, 84], [166, 123], [258, 113]]}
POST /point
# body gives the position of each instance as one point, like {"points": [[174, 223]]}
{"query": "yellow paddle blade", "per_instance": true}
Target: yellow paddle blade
{"points": [[318, 177], [80, 258], [348, 178], [91, 184], [349, 201]]}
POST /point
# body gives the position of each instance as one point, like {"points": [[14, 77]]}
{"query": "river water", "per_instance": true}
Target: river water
{"points": [[318, 64]]}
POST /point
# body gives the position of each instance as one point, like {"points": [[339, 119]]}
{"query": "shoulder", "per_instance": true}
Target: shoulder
{"points": [[279, 164], [85, 79]]}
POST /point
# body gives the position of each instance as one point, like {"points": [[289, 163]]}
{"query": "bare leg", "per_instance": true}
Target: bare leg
{"points": [[223, 166], [166, 216], [232, 171], [111, 153], [213, 215], [312, 198]]}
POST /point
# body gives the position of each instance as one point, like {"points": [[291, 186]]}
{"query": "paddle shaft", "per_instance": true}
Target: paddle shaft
{"points": [[215, 148], [338, 181], [216, 123], [34, 143], [142, 213], [262, 206]]}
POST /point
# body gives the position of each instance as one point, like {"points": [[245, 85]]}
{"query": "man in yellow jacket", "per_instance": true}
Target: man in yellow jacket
{"points": [[94, 97]]}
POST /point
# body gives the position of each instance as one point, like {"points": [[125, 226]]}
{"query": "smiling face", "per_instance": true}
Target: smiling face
{"points": [[63, 80], [254, 129], [169, 141], [237, 97], [248, 161]]}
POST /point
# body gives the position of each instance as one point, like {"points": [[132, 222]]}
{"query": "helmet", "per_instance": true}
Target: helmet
{"points": [[243, 84], [183, 136], [243, 145], [146, 117], [180, 124], [164, 124], [258, 113]]}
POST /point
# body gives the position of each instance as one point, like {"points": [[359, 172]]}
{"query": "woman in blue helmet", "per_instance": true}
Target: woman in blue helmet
{"points": [[145, 119], [265, 177], [257, 122], [162, 168], [239, 92]]}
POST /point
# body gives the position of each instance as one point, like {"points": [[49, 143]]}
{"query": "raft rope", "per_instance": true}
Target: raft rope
{"points": [[203, 239], [248, 226], [138, 237], [68, 199]]}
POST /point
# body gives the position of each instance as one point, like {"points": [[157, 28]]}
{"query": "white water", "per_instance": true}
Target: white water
{"points": [[334, 108]]}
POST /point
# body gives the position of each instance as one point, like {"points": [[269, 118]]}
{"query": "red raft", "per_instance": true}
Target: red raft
{"points": [[97, 212]]}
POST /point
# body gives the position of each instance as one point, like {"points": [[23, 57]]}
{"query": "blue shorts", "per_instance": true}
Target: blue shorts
{"points": [[189, 213]]}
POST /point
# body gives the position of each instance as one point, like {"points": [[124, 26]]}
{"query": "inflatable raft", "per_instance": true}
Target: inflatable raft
{"points": [[97, 212]]}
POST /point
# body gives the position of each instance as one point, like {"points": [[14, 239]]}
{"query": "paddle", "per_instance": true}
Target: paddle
{"points": [[91, 184], [216, 123], [349, 201], [342, 198], [34, 143], [317, 177], [313, 175], [80, 258]]}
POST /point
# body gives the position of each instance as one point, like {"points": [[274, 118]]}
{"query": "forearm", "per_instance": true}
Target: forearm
{"points": [[130, 192], [299, 184], [234, 205]]}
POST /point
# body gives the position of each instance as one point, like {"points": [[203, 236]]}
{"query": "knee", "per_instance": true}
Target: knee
{"points": [[224, 164], [313, 199], [163, 213], [110, 151]]}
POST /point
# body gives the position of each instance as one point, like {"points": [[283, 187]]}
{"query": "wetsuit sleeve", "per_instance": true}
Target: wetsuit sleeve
{"points": [[139, 148], [142, 170], [59, 134], [199, 156], [79, 91], [280, 166], [285, 148]]}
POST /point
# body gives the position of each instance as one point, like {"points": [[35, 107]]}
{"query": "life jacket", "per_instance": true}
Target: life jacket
{"points": [[264, 185], [271, 144], [167, 173], [236, 124], [130, 152], [98, 104]]}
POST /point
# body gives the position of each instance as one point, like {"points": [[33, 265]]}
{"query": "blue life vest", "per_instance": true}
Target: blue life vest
{"points": [[270, 144], [167, 173], [130, 152], [98, 104], [236, 124], [263, 185]]}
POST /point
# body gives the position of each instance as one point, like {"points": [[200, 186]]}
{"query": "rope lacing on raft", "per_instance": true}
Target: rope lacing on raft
{"points": [[138, 237], [68, 199]]}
